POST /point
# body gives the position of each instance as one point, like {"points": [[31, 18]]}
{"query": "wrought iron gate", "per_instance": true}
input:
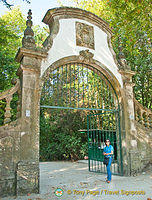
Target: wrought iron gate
{"points": [[102, 126], [80, 86]]}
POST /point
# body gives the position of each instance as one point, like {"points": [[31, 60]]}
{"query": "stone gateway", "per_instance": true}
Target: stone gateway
{"points": [[76, 36]]}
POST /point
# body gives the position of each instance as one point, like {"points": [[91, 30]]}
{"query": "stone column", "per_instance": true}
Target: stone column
{"points": [[27, 170], [129, 115]]}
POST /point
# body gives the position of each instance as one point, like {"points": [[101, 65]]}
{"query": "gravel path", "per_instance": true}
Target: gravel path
{"points": [[78, 183]]}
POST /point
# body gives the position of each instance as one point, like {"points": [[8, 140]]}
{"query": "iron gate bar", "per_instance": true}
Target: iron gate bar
{"points": [[98, 91], [74, 87], [78, 84], [94, 89], [120, 144], [83, 84], [57, 85], [53, 85], [108, 95], [109, 110], [103, 92], [113, 139], [87, 87], [66, 84], [91, 96], [70, 84]]}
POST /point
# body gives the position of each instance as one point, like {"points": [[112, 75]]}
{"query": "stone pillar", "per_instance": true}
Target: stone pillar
{"points": [[129, 115], [27, 170], [29, 73]]}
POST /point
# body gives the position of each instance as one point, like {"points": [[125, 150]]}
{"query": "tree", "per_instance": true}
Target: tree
{"points": [[12, 26], [60, 138], [11, 32], [8, 5], [130, 21]]}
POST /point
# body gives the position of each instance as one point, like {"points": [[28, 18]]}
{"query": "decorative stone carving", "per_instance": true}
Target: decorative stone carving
{"points": [[143, 115], [127, 76], [8, 110], [87, 56], [123, 64], [8, 95], [84, 35], [28, 39], [54, 29], [121, 59]]}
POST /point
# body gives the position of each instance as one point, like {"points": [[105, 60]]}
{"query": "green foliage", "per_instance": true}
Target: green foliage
{"points": [[40, 34], [131, 21], [2, 110], [59, 135], [12, 26], [11, 33]]}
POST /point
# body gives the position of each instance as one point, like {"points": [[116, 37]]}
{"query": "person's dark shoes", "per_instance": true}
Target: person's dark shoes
{"points": [[107, 180]]}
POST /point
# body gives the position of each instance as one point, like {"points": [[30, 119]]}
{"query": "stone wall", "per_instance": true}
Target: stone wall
{"points": [[140, 154], [17, 176], [9, 157], [141, 140]]}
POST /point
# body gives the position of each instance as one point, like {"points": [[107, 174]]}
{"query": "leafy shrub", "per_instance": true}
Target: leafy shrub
{"points": [[60, 138]]}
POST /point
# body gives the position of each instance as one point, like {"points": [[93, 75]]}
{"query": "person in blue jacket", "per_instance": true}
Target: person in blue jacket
{"points": [[108, 152]]}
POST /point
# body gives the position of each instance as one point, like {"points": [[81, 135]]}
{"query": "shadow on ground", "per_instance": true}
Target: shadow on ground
{"points": [[76, 182]]}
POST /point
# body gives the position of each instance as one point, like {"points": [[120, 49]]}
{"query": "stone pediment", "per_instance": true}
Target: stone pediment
{"points": [[73, 30], [70, 12]]}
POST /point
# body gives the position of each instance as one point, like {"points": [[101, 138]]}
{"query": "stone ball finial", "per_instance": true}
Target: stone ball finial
{"points": [[121, 57], [29, 14], [121, 54], [28, 39], [29, 22]]}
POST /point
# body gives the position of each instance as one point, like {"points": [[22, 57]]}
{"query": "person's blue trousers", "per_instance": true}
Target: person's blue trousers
{"points": [[108, 169]]}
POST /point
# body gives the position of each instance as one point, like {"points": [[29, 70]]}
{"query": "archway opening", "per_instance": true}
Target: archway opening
{"points": [[80, 109]]}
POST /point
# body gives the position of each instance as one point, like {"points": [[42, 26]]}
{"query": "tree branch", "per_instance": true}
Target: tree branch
{"points": [[8, 5]]}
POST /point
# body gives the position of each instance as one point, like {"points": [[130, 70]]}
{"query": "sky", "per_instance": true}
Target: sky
{"points": [[38, 7]]}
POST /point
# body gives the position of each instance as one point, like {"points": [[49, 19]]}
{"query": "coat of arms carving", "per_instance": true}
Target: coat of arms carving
{"points": [[84, 35]]}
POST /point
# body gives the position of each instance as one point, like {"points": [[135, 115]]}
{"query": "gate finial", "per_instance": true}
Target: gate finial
{"points": [[28, 39], [121, 57]]}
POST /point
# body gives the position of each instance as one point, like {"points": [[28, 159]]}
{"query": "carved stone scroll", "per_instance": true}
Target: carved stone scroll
{"points": [[85, 55]]}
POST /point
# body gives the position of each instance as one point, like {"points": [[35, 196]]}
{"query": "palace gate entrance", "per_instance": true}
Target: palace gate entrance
{"points": [[75, 68]]}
